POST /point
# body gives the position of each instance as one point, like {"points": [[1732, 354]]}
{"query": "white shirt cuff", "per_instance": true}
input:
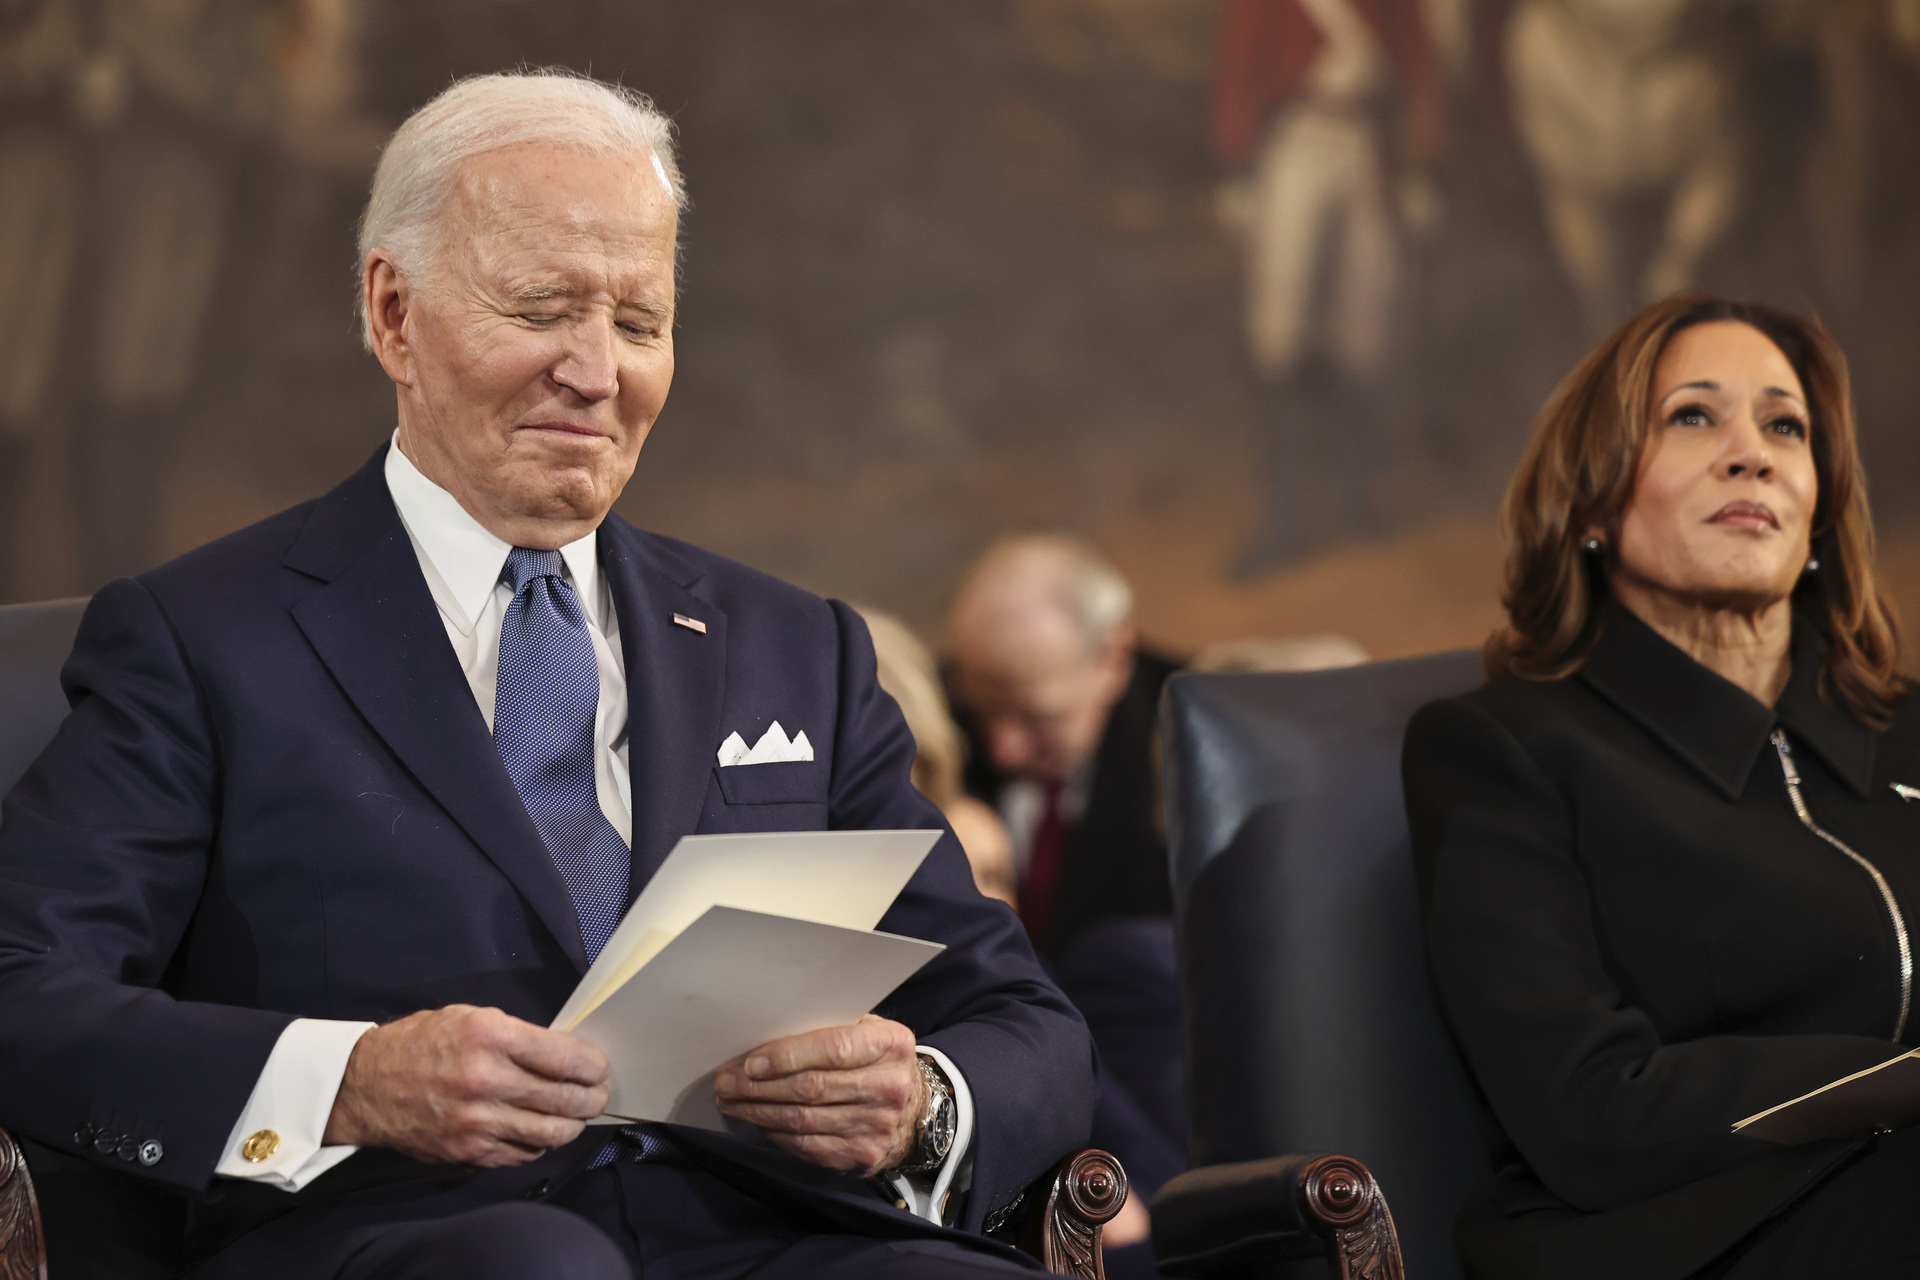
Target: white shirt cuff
{"points": [[277, 1138], [926, 1194]]}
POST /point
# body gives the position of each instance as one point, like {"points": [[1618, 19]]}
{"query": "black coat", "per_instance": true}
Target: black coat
{"points": [[1637, 943], [1114, 862]]}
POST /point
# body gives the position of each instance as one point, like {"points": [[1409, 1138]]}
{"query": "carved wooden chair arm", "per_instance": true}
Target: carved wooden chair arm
{"points": [[23, 1243], [1226, 1219], [1072, 1203], [1069, 1207]]}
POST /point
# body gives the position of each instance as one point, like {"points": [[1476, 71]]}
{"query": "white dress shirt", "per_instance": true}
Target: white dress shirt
{"points": [[462, 562]]}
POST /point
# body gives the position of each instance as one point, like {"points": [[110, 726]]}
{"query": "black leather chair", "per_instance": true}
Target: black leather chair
{"points": [[1310, 1022], [1059, 1221]]}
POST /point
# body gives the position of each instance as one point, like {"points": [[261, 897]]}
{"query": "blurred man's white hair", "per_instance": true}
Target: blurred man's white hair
{"points": [[1066, 570], [548, 107]]}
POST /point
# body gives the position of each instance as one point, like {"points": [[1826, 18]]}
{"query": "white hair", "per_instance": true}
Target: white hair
{"points": [[548, 107], [1079, 581]]}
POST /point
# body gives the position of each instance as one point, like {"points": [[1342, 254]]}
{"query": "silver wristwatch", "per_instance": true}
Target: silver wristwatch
{"points": [[933, 1135]]}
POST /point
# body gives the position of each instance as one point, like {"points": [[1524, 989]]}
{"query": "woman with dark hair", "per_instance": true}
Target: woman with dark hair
{"points": [[1667, 863]]}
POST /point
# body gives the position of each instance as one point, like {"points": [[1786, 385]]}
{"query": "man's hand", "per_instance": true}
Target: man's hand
{"points": [[463, 1085], [848, 1098]]}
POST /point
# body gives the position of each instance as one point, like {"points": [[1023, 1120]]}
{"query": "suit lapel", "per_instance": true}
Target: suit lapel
{"points": [[375, 627], [675, 677]]}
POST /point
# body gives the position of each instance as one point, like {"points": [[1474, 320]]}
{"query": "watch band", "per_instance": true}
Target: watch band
{"points": [[934, 1131]]}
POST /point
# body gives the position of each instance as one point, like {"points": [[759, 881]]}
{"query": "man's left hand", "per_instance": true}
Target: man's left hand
{"points": [[848, 1098]]}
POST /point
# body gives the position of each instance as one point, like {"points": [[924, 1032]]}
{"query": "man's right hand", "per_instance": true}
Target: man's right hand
{"points": [[464, 1085]]}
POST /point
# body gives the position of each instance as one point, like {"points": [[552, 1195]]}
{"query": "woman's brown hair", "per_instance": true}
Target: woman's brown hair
{"points": [[1578, 475]]}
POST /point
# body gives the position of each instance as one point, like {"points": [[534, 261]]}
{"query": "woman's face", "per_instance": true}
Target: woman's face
{"points": [[1722, 506]]}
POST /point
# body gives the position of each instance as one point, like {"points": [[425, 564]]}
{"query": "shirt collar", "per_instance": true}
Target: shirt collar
{"points": [[1714, 725], [466, 555]]}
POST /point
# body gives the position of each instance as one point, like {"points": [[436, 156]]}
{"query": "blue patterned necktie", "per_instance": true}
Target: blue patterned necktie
{"points": [[543, 721], [543, 725]]}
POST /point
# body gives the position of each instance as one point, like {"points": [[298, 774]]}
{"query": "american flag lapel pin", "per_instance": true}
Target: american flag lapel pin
{"points": [[691, 624]]}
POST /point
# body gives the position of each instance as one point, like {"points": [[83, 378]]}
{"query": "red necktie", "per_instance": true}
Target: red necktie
{"points": [[1043, 868]]}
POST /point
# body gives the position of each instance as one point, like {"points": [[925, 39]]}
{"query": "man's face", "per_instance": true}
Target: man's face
{"points": [[532, 362], [1040, 696]]}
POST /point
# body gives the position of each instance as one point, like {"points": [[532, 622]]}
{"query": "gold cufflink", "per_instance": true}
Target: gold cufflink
{"points": [[260, 1146]]}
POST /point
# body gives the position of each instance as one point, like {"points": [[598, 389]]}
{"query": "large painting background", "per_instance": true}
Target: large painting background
{"points": [[952, 269]]}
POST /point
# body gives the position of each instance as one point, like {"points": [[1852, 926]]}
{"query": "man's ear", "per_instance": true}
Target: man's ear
{"points": [[389, 299]]}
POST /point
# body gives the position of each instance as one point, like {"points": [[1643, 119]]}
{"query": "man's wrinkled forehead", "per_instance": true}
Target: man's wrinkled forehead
{"points": [[539, 197]]}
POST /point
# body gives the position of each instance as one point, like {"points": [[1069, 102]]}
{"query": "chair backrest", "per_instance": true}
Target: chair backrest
{"points": [[1310, 1020], [34, 641]]}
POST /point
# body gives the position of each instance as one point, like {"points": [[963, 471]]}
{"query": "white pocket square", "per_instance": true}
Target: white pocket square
{"points": [[773, 747]]}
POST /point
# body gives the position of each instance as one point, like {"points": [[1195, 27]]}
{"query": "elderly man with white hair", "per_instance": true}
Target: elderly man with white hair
{"points": [[1050, 676], [1062, 699], [349, 800]]}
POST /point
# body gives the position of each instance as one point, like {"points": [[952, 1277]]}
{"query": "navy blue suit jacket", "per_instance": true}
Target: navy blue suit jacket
{"points": [[275, 797]]}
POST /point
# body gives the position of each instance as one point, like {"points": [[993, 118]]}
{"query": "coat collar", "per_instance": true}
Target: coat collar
{"points": [[1711, 723], [375, 626]]}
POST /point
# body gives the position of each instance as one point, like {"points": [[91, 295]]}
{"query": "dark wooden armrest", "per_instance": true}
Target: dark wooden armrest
{"points": [[23, 1244], [1068, 1208], [1226, 1218]]}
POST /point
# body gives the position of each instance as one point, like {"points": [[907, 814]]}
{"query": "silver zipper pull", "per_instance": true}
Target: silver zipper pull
{"points": [[1787, 769]]}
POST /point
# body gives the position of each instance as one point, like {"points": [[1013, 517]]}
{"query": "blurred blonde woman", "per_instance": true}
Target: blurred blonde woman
{"points": [[907, 672]]}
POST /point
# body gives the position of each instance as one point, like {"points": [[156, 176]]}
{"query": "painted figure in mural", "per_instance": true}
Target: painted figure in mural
{"points": [[1615, 107], [122, 124], [42, 56], [1864, 49], [1304, 98]]}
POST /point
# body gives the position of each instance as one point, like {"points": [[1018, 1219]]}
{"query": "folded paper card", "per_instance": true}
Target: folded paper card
{"points": [[843, 878], [737, 940], [730, 982], [1882, 1097]]}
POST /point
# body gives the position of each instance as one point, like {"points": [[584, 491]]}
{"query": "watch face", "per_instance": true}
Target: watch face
{"points": [[940, 1128], [938, 1124]]}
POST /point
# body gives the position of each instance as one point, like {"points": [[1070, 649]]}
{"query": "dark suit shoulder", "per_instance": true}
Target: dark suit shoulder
{"points": [[1519, 740], [1520, 703], [1524, 710], [220, 593], [231, 560]]}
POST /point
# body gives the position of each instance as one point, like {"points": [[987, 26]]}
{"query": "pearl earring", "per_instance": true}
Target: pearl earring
{"points": [[1813, 564], [1593, 546]]}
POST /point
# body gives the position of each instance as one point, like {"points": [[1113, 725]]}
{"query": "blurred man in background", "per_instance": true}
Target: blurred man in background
{"points": [[1051, 679]]}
